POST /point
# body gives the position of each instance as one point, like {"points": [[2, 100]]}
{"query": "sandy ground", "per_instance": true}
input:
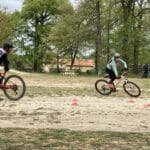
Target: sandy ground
{"points": [[90, 113], [99, 113]]}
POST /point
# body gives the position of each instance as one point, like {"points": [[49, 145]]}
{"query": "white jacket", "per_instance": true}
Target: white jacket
{"points": [[112, 65]]}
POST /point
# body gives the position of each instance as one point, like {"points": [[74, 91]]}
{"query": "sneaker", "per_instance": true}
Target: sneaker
{"points": [[112, 87]]}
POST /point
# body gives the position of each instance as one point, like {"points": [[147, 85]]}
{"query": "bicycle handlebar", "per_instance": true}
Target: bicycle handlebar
{"points": [[124, 73]]}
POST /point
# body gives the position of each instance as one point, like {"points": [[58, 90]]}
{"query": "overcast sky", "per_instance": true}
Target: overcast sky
{"points": [[13, 5]]}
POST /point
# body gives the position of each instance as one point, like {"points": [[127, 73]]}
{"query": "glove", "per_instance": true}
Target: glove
{"points": [[125, 73], [2, 74]]}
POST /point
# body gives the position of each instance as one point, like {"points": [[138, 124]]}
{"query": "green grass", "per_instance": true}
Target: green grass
{"points": [[64, 92], [69, 89], [58, 91], [50, 139], [47, 139]]}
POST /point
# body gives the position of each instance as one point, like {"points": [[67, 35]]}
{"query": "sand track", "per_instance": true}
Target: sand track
{"points": [[92, 113]]}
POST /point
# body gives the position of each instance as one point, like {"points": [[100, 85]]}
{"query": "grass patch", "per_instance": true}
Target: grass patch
{"points": [[78, 86], [64, 92], [60, 92], [22, 139]]}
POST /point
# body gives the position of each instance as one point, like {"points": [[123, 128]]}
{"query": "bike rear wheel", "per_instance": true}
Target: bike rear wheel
{"points": [[102, 87], [17, 89], [132, 89]]}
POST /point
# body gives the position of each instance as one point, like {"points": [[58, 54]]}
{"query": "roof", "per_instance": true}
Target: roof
{"points": [[82, 63]]}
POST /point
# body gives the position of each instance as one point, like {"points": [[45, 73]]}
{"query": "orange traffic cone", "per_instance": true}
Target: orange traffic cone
{"points": [[131, 101], [147, 105], [74, 102]]}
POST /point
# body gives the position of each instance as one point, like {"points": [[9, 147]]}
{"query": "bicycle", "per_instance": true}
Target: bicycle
{"points": [[13, 86], [132, 89]]}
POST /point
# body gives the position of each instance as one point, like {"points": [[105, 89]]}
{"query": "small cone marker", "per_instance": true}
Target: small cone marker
{"points": [[74, 102], [147, 105], [131, 101]]}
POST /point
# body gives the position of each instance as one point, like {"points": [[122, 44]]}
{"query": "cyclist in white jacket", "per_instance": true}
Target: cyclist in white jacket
{"points": [[111, 69]]}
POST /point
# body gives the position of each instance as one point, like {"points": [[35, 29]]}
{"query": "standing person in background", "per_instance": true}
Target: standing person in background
{"points": [[145, 71]]}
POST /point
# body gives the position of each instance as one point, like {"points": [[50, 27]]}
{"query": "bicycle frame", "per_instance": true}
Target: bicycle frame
{"points": [[5, 86], [123, 78]]}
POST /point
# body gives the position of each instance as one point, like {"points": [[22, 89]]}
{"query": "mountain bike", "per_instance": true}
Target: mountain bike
{"points": [[13, 86], [132, 89]]}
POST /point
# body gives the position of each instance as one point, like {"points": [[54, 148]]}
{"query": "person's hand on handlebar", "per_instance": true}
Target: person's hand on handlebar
{"points": [[125, 73], [2, 74]]}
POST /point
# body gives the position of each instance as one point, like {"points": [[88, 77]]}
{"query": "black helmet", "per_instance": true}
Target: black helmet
{"points": [[7, 45]]}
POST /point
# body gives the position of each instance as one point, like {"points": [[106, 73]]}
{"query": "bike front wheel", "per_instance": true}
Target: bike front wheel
{"points": [[14, 87], [132, 89], [102, 87]]}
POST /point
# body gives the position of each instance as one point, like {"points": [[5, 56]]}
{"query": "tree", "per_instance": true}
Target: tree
{"points": [[127, 6], [47, 29], [98, 37], [5, 27], [66, 36], [39, 16], [138, 23], [91, 14]]}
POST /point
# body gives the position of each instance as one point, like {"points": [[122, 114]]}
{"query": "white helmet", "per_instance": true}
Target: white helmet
{"points": [[117, 55]]}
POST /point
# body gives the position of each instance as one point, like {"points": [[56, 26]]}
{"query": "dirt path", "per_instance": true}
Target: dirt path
{"points": [[92, 113]]}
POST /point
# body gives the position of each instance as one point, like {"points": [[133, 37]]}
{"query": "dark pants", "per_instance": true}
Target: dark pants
{"points": [[111, 74], [145, 74]]}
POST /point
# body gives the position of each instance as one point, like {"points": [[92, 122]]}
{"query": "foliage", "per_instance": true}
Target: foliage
{"points": [[50, 31], [20, 62], [38, 17], [5, 26]]}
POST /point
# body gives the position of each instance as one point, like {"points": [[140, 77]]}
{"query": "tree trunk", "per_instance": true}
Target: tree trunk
{"points": [[127, 7], [98, 39], [75, 47], [136, 58], [108, 32], [74, 57], [136, 45], [125, 36], [58, 69], [36, 48]]}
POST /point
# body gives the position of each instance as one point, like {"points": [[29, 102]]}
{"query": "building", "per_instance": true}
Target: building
{"points": [[82, 65]]}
